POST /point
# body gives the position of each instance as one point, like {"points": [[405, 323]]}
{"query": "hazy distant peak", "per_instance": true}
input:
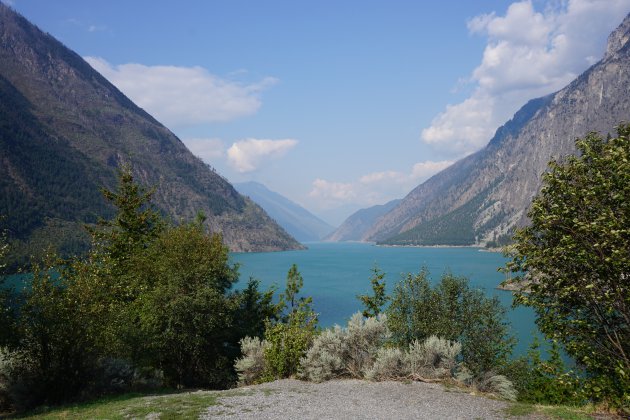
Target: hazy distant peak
{"points": [[295, 219]]}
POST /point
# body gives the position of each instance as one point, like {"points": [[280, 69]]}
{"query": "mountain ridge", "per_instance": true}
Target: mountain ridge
{"points": [[513, 161], [354, 227], [295, 219], [74, 129]]}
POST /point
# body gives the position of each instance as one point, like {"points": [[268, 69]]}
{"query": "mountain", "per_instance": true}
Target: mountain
{"points": [[357, 224], [64, 132], [296, 220], [481, 198]]}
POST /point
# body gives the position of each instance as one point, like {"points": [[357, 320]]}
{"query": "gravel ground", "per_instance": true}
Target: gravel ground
{"points": [[354, 399]]}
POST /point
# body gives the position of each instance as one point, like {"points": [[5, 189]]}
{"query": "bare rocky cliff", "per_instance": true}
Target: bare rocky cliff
{"points": [[483, 196]]}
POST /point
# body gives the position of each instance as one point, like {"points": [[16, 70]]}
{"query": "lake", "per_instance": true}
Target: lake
{"points": [[335, 273]]}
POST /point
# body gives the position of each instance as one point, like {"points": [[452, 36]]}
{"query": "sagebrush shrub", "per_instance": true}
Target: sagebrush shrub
{"points": [[496, 384], [251, 366], [324, 360], [432, 359], [389, 364], [345, 352]]}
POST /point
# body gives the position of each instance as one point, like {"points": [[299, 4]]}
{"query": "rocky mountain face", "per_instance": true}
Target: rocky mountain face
{"points": [[64, 132], [357, 224], [295, 219], [482, 197]]}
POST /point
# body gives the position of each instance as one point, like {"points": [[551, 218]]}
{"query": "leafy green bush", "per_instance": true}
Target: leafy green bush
{"points": [[576, 253], [291, 337], [455, 312], [184, 314], [544, 381], [149, 305], [54, 356]]}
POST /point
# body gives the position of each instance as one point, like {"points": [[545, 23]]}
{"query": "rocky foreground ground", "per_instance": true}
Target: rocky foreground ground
{"points": [[355, 399]]}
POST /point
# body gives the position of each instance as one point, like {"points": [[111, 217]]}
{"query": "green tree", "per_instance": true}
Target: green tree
{"points": [[136, 222], [453, 311], [184, 312], [576, 255], [289, 338], [7, 307], [373, 304], [53, 354]]}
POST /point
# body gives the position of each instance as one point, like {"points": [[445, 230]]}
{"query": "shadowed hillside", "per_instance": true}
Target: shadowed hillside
{"points": [[64, 132]]}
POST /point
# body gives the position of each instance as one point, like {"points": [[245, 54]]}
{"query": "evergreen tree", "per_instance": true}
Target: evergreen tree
{"points": [[373, 304]]}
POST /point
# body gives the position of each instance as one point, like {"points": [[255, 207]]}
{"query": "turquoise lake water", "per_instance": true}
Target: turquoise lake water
{"points": [[335, 273]]}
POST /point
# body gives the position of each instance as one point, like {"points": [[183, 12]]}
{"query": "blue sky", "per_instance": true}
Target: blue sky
{"points": [[337, 105]]}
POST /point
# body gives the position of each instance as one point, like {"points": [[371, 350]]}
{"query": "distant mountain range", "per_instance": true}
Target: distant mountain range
{"points": [[483, 197], [296, 220], [64, 131], [358, 223]]}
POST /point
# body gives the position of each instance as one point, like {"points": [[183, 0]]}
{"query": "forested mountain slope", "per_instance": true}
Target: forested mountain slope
{"points": [[64, 132]]}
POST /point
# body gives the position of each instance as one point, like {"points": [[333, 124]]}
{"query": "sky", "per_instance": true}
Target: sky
{"points": [[336, 104]]}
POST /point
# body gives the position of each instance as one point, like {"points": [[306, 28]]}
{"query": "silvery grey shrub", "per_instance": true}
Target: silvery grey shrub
{"points": [[496, 384], [251, 366], [345, 352], [434, 358], [389, 365]]}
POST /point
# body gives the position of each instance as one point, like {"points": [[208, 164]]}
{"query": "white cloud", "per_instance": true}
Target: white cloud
{"points": [[180, 96], [376, 177], [337, 191], [529, 54], [247, 155], [422, 171], [373, 188], [206, 149]]}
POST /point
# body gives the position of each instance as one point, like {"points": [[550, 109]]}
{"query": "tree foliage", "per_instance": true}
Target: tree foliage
{"points": [[135, 224], [149, 296], [291, 336], [453, 311], [576, 252], [373, 304], [6, 308], [185, 314]]}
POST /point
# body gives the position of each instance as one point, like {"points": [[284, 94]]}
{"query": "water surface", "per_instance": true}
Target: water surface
{"points": [[335, 273]]}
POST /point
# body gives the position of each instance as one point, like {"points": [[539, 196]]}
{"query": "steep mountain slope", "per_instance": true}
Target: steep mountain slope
{"points": [[296, 220], [64, 131], [481, 197], [355, 226]]}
